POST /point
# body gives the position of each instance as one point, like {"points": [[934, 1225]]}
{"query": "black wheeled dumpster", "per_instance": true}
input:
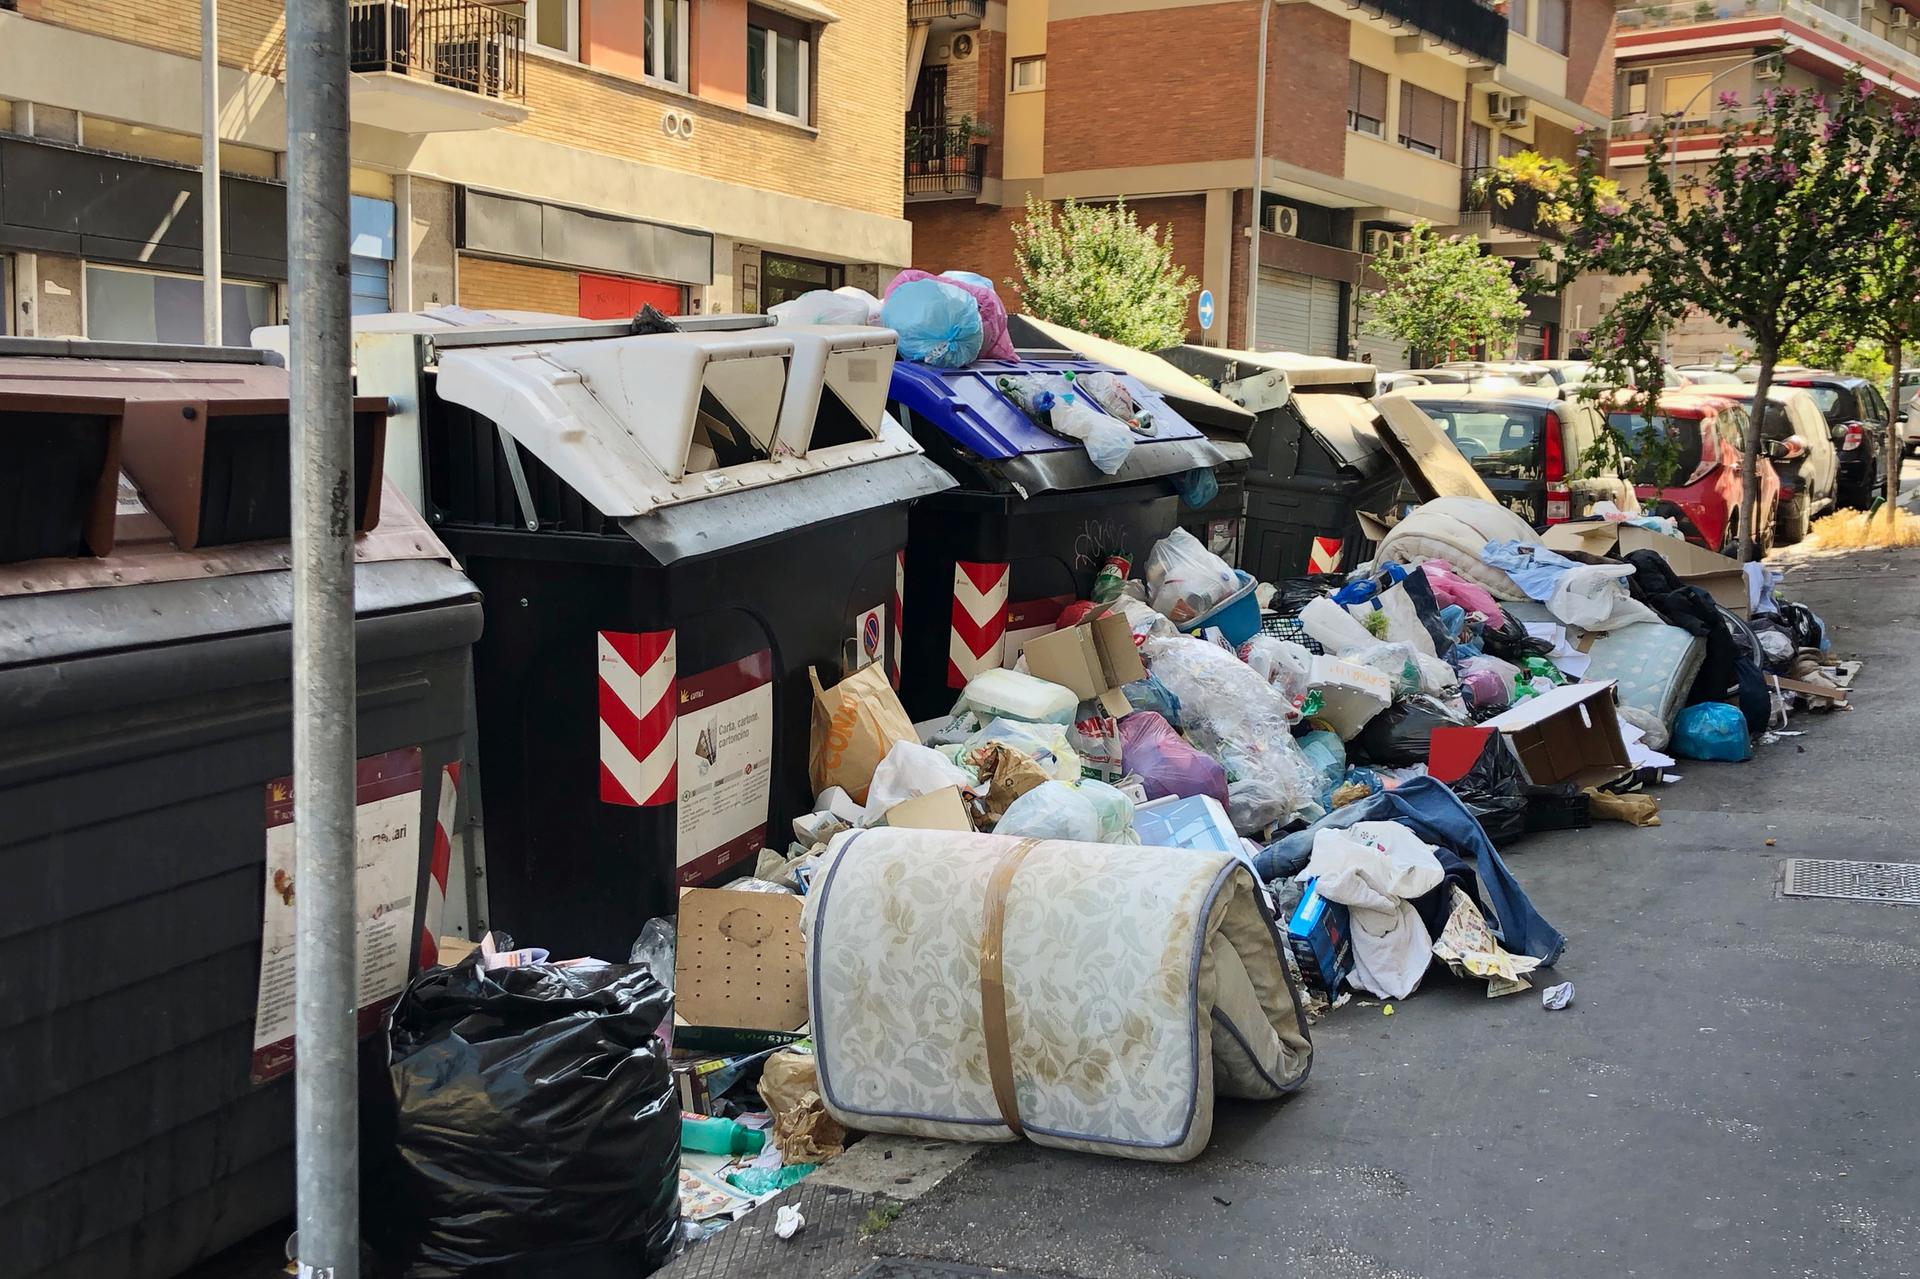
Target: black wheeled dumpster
{"points": [[1317, 458], [1216, 521], [996, 559], [146, 926], [669, 528]]}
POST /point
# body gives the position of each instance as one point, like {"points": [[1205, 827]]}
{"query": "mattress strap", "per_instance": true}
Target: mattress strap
{"points": [[993, 990]]}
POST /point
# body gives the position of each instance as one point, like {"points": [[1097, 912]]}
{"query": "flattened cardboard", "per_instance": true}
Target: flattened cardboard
{"points": [[943, 809], [1432, 463], [1094, 659], [1721, 577], [1836, 695], [740, 962], [1567, 734]]}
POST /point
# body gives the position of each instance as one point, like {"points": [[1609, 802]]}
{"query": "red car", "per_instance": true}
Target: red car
{"points": [[1690, 466]]}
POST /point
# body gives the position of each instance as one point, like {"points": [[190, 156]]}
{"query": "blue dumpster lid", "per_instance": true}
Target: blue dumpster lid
{"points": [[968, 412]]}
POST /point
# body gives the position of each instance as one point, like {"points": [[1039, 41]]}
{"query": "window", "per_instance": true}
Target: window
{"points": [[1501, 443], [145, 306], [1511, 146], [1427, 123], [782, 278], [1479, 146], [552, 26], [1636, 102], [1517, 17], [1029, 74], [666, 40], [371, 261], [1551, 31], [1686, 95], [779, 64], [1366, 100]]}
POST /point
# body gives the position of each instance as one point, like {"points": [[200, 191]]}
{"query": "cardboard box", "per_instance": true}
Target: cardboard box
{"points": [[1350, 694], [1721, 577], [1569, 734], [1322, 947], [1095, 659], [739, 970], [943, 809]]}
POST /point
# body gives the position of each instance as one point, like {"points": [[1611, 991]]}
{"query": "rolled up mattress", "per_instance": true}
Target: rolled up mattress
{"points": [[1085, 996]]}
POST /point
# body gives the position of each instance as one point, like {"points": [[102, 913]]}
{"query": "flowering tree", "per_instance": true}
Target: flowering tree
{"points": [[1441, 292], [1765, 240], [1096, 269]]}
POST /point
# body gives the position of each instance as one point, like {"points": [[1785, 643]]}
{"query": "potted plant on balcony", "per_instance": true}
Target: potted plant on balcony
{"points": [[1538, 186]]}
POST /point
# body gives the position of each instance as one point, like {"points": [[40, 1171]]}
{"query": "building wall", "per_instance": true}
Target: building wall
{"points": [[1590, 54], [1307, 58]]}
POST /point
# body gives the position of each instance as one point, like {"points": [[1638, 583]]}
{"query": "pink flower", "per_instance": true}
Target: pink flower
{"points": [[1728, 99]]}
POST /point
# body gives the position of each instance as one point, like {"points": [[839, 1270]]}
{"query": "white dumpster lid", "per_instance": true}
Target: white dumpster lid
{"points": [[1306, 370], [637, 422]]}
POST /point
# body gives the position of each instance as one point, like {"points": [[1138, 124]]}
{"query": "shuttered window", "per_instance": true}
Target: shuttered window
{"points": [[1428, 122], [1366, 100]]}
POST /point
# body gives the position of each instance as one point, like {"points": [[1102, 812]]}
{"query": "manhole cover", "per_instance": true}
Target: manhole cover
{"points": [[1896, 882]]}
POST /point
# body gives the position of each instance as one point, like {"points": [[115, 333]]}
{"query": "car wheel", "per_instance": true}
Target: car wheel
{"points": [[1794, 519]]}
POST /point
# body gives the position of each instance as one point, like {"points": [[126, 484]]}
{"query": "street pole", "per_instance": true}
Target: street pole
{"points": [[1259, 182], [326, 1101], [210, 329]]}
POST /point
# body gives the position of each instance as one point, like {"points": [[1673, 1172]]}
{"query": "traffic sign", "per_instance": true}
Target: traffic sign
{"points": [[1206, 308]]}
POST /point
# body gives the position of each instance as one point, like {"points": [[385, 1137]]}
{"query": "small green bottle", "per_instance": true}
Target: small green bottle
{"points": [[712, 1135]]}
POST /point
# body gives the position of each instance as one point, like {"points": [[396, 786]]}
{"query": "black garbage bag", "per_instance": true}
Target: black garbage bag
{"points": [[1510, 642], [1495, 791], [1401, 734], [536, 1127]]}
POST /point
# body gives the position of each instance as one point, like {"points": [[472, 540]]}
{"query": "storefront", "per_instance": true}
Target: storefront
{"points": [[525, 255]]}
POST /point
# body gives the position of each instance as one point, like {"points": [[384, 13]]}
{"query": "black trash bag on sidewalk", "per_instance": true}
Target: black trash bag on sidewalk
{"points": [[1402, 734], [1494, 790], [536, 1127]]}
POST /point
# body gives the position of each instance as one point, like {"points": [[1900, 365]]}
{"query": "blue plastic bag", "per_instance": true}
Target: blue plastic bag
{"points": [[938, 324], [1712, 730]]}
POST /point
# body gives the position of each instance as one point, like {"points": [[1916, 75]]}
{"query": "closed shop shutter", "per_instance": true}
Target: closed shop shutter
{"points": [[486, 285], [1383, 352], [1298, 313]]}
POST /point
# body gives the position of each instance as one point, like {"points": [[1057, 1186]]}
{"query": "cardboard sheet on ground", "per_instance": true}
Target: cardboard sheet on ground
{"points": [[1467, 946]]}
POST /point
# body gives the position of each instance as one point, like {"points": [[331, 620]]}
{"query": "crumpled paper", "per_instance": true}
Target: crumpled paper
{"points": [[803, 1131], [1467, 946], [1007, 773], [1635, 809], [1557, 997]]}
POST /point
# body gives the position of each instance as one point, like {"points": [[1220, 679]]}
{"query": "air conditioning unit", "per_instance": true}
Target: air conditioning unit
{"points": [[1384, 244], [1280, 219], [1776, 67], [1902, 20], [1508, 109]]}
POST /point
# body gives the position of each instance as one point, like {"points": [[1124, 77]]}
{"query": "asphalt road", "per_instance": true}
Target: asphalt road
{"points": [[1734, 1092]]}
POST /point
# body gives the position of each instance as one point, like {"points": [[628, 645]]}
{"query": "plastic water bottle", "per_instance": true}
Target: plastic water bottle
{"points": [[712, 1135]]}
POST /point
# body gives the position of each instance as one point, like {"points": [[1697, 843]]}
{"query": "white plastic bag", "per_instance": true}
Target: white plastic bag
{"points": [[909, 771], [1333, 628], [824, 306], [1073, 415], [1046, 744], [1594, 598], [1114, 809], [1282, 663], [1052, 810], [1184, 579], [1014, 695]]}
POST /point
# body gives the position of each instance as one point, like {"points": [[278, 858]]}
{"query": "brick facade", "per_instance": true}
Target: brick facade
{"points": [[1590, 54], [1307, 88]]}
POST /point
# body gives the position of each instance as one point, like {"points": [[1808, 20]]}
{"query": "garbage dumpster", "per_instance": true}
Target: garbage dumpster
{"points": [[1217, 521], [146, 844], [1030, 524], [670, 528], [1317, 458]]}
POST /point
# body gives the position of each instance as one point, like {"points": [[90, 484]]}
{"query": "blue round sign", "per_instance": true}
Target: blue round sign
{"points": [[1206, 308]]}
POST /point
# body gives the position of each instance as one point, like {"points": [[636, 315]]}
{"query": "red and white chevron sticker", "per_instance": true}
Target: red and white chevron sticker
{"points": [[899, 589], [1325, 555], [978, 638], [638, 745], [437, 868]]}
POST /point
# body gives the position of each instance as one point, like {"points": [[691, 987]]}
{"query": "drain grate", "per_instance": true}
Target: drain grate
{"points": [[918, 1268], [1894, 882]]}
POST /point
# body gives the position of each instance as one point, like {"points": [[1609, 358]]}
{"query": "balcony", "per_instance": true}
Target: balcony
{"points": [[1467, 26], [944, 162], [947, 13], [1643, 31], [436, 66], [1495, 210], [1700, 122]]}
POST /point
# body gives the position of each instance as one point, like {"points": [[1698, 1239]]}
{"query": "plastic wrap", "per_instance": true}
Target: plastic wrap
{"points": [[1282, 663], [1165, 762], [1072, 413], [1185, 580], [1327, 755], [909, 771], [1052, 810], [1240, 719], [1047, 744], [1150, 694], [938, 322], [1114, 810]]}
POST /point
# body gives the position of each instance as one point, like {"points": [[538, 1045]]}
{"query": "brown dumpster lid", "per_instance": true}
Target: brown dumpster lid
{"points": [[62, 384]]}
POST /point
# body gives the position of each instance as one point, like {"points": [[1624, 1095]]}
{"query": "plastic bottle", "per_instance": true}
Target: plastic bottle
{"points": [[711, 1135]]}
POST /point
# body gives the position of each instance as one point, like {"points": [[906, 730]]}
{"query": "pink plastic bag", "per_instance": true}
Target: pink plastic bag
{"points": [[995, 344], [1451, 588], [1164, 761]]}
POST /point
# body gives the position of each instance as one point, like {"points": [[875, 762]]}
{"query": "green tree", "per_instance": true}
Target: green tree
{"points": [[1762, 241], [1093, 267], [1440, 292]]}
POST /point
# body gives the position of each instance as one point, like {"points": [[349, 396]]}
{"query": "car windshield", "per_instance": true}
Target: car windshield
{"points": [[1774, 425], [1638, 435], [1502, 442], [1824, 396]]}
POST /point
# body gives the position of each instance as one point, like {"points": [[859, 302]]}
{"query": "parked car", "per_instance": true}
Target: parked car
{"points": [[1700, 486], [1909, 391], [1912, 429], [1526, 443], [1856, 416], [1458, 377], [1524, 372], [1797, 441], [1384, 382], [1572, 374]]}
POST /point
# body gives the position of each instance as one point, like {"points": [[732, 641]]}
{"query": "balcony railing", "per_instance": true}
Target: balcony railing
{"points": [[936, 10], [944, 161], [1839, 20], [1485, 200], [1466, 25], [1699, 121], [453, 42]]}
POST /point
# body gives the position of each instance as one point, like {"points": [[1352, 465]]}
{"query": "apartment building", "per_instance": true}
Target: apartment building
{"points": [[1703, 65], [1378, 113], [574, 156]]}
